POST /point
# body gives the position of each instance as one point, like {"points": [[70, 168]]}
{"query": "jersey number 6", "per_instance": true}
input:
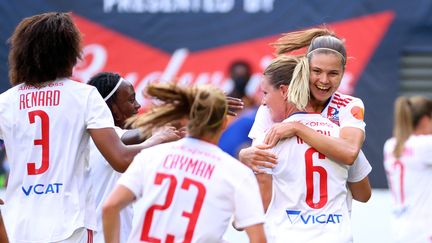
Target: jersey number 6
{"points": [[43, 141], [193, 216], [310, 169]]}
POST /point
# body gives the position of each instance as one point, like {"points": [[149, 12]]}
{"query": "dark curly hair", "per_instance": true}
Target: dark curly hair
{"points": [[43, 48]]}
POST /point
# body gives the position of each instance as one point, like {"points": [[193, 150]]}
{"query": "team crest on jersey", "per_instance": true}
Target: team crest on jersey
{"points": [[333, 115], [296, 216]]}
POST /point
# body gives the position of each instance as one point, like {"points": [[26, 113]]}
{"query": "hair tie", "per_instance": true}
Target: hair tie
{"points": [[115, 89]]}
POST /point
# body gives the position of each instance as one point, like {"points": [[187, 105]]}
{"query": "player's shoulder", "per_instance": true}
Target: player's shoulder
{"points": [[389, 143], [310, 119], [424, 140], [72, 84], [157, 149], [344, 99], [8, 92]]}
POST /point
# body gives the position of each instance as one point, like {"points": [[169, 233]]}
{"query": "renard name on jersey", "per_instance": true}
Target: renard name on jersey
{"points": [[39, 98]]}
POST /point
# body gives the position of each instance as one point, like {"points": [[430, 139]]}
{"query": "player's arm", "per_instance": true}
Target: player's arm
{"points": [[265, 185], [133, 136], [119, 198], [256, 233], [118, 155], [3, 235], [361, 190], [256, 156], [344, 149], [159, 135]]}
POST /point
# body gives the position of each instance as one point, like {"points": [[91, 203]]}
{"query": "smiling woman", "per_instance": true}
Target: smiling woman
{"points": [[311, 84]]}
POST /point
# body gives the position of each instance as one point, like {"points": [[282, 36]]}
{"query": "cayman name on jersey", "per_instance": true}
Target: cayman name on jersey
{"points": [[296, 216]]}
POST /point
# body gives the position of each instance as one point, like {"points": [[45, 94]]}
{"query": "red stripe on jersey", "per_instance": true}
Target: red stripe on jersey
{"points": [[339, 104], [342, 100], [89, 236], [339, 96]]}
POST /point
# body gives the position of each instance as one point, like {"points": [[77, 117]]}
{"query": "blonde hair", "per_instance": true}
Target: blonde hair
{"points": [[292, 71], [407, 115], [204, 106], [298, 91]]}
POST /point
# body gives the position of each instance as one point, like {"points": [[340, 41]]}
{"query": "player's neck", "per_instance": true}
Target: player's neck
{"points": [[211, 138]]}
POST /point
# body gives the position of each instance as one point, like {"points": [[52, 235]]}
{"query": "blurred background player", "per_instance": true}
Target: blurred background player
{"points": [[408, 163], [46, 121], [235, 137], [119, 95], [191, 188]]}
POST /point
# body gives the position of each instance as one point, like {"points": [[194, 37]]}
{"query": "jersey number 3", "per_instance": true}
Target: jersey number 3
{"points": [[193, 216], [310, 169], [43, 141]]}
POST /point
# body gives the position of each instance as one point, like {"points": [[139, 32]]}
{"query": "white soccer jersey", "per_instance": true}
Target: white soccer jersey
{"points": [[343, 110], [104, 178], [48, 195], [188, 190], [410, 181], [309, 190]]}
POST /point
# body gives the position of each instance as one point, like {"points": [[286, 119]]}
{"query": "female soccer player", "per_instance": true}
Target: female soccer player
{"points": [[326, 57], [119, 95], [408, 163], [186, 191], [46, 121], [305, 194]]}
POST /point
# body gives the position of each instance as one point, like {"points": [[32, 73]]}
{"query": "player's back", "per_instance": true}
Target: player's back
{"points": [[190, 189], [410, 182], [44, 130], [309, 190]]}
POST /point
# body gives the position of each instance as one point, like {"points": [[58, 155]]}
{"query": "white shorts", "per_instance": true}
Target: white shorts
{"points": [[81, 235]]}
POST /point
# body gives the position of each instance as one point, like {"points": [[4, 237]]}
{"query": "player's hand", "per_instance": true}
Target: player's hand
{"points": [[278, 132], [233, 105], [166, 134], [256, 156], [1, 202]]}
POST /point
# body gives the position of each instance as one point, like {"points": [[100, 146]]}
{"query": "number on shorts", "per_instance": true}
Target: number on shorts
{"points": [[193, 216], [310, 169], [43, 141]]}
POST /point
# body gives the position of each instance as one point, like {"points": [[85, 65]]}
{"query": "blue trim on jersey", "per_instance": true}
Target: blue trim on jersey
{"points": [[328, 102]]}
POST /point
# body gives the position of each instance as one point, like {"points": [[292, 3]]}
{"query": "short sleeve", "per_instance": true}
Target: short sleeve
{"points": [[132, 177], [247, 202], [360, 169], [352, 115], [98, 114], [261, 123]]}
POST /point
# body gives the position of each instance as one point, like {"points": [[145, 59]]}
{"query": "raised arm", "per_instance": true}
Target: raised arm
{"points": [[159, 135], [118, 155]]}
